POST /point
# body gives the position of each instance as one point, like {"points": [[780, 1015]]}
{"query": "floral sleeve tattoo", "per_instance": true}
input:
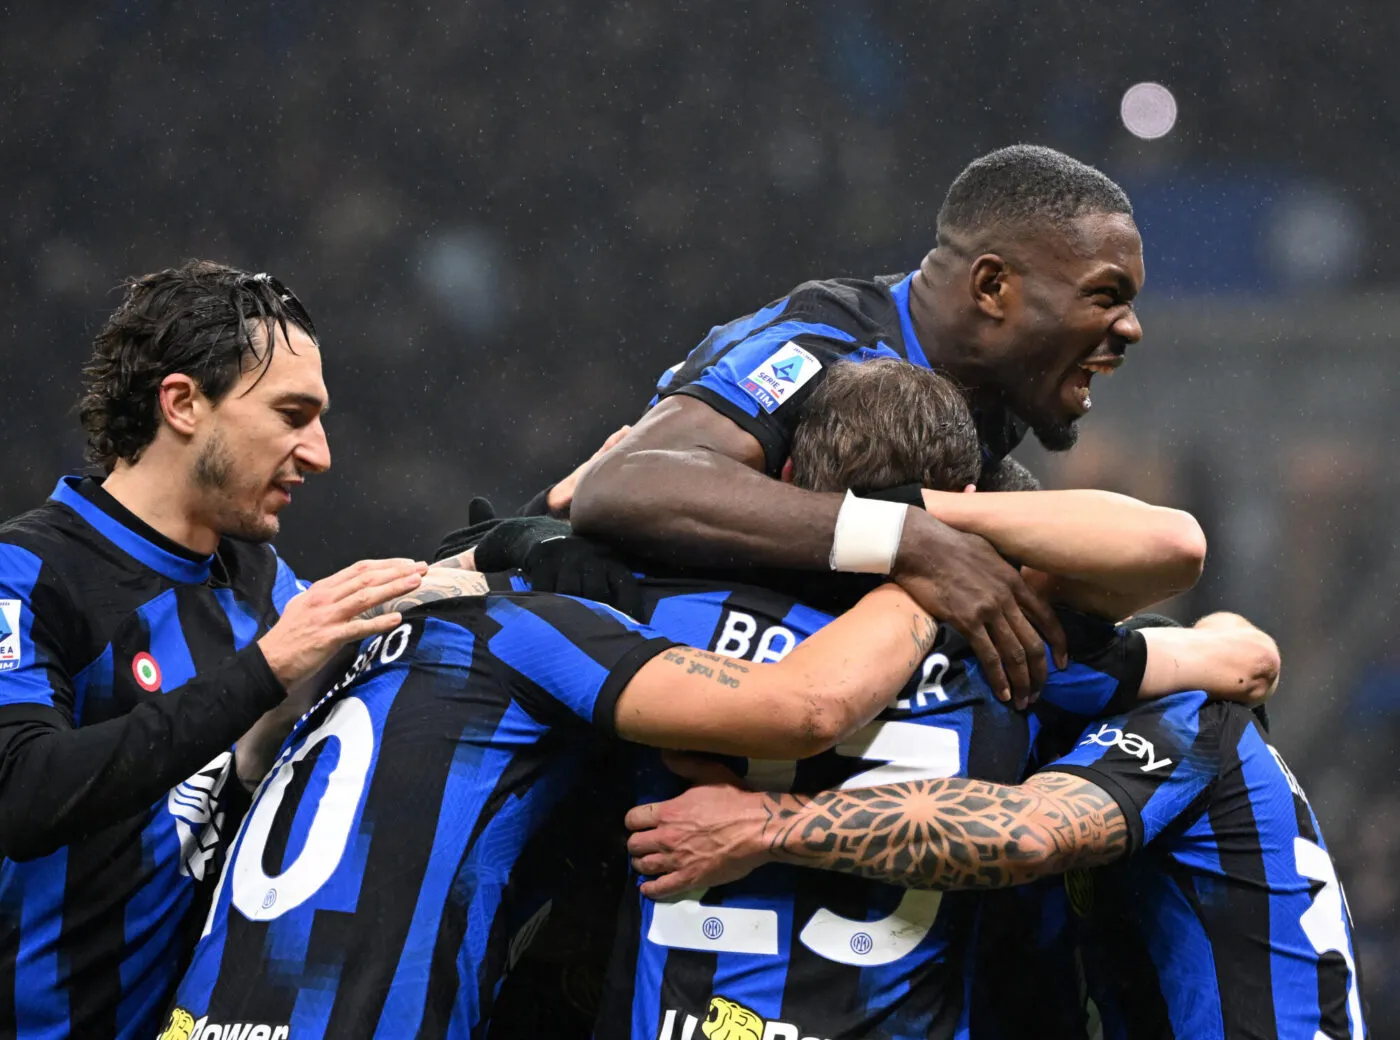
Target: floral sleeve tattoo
{"points": [[950, 834]]}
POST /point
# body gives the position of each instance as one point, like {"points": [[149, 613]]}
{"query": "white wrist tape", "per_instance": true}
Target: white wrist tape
{"points": [[867, 535]]}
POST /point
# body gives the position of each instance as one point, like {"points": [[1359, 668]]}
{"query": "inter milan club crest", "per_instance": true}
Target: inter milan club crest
{"points": [[146, 672]]}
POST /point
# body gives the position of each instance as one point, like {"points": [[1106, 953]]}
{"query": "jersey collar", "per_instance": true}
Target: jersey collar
{"points": [[131, 536], [913, 350]]}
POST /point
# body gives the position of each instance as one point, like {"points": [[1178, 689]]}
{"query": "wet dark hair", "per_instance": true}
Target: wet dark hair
{"points": [[198, 319], [883, 423], [1024, 187]]}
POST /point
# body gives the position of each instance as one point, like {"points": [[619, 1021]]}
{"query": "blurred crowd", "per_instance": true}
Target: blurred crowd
{"points": [[509, 219]]}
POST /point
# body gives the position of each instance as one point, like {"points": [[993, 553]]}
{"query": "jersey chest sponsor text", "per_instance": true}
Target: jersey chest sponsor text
{"points": [[182, 1025], [727, 1019], [1133, 744]]}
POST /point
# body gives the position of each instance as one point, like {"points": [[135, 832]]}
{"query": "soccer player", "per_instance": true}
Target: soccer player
{"points": [[1027, 295], [381, 882], [145, 623], [1215, 912], [782, 943], [826, 956]]}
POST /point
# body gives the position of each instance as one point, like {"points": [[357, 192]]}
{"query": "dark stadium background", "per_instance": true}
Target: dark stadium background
{"points": [[509, 218]]}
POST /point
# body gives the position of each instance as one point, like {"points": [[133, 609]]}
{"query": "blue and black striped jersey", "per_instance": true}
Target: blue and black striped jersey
{"points": [[104, 621], [757, 370], [805, 953], [1228, 920], [385, 876]]}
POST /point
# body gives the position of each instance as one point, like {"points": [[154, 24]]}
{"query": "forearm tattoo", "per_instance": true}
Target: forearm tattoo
{"points": [[445, 583], [950, 834], [723, 670], [924, 631]]}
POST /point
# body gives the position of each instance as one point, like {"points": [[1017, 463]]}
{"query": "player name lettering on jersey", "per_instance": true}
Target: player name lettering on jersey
{"points": [[1131, 743], [736, 639], [726, 1019]]}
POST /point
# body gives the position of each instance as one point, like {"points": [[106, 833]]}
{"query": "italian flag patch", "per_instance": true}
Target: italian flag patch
{"points": [[146, 671]]}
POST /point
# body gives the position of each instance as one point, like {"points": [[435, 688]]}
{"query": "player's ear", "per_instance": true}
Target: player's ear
{"points": [[971, 489], [786, 475], [990, 285], [181, 403]]}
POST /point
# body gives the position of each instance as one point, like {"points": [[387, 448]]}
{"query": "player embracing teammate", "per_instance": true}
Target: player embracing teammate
{"points": [[885, 696]]}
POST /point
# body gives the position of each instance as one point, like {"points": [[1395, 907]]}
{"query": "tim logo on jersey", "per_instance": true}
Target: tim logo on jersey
{"points": [[726, 1019], [781, 376], [9, 634], [198, 825]]}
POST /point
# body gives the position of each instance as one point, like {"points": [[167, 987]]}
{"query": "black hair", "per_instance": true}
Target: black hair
{"points": [[197, 319], [1023, 187]]}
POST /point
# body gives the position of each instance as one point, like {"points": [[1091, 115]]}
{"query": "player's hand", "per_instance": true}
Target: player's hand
{"points": [[317, 622], [576, 566], [961, 579], [556, 561], [561, 495], [710, 835]]}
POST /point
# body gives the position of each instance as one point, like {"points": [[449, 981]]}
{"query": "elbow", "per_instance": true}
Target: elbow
{"points": [[817, 727], [1181, 548], [1260, 669], [595, 496], [796, 727]]}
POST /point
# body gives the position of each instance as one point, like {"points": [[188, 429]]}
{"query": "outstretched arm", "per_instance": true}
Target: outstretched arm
{"points": [[1104, 553], [1222, 654], [943, 834], [686, 484], [829, 686]]}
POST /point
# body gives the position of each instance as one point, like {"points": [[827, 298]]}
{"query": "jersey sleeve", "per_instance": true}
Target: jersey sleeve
{"points": [[1105, 671], [32, 607], [570, 656], [761, 380], [1155, 761]]}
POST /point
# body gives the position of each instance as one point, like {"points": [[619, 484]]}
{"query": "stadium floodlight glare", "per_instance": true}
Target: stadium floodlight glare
{"points": [[1148, 110]]}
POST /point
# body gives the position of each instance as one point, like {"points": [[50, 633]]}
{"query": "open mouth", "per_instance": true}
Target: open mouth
{"points": [[1102, 362]]}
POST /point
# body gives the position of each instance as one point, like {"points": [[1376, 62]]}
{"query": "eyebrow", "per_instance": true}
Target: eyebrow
{"points": [[305, 400], [1118, 276]]}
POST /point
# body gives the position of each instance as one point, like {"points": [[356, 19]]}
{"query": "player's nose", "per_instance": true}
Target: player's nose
{"points": [[313, 452], [1127, 327]]}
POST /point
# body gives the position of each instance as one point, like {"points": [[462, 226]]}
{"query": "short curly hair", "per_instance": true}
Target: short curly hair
{"points": [[198, 319], [1025, 186]]}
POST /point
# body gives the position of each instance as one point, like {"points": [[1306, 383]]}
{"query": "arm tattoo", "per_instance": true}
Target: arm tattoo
{"points": [[724, 670], [446, 583], [950, 834], [924, 631]]}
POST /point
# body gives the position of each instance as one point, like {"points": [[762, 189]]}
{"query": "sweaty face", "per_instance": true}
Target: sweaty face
{"points": [[1075, 321], [262, 438]]}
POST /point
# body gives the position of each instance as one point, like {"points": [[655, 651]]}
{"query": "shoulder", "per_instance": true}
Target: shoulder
{"points": [[257, 574], [44, 546], [865, 302]]}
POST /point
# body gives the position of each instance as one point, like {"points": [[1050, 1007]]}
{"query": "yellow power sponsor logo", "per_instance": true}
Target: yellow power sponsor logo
{"points": [[727, 1020], [184, 1026], [180, 1027]]}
